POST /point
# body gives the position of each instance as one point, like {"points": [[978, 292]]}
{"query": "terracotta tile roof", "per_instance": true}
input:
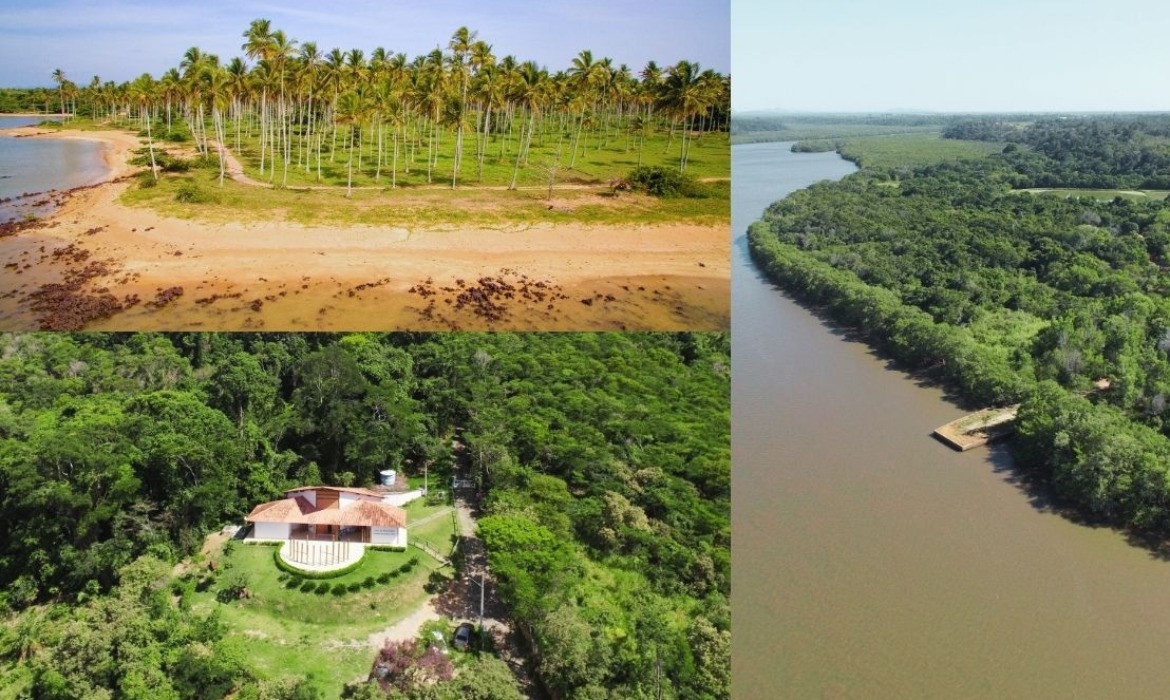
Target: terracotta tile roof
{"points": [[299, 511], [288, 510], [362, 513], [340, 489]]}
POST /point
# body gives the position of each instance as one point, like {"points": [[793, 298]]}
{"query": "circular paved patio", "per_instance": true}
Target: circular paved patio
{"points": [[315, 556]]}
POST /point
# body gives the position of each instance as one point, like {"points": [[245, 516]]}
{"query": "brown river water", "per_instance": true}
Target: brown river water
{"points": [[871, 561]]}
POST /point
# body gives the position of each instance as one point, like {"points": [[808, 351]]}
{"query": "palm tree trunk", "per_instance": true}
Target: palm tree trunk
{"points": [[349, 183]]}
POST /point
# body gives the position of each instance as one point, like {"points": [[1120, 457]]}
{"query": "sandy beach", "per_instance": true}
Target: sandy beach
{"points": [[99, 265]]}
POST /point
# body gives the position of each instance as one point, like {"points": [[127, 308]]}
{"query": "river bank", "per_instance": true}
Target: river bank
{"points": [[127, 264], [905, 569]]}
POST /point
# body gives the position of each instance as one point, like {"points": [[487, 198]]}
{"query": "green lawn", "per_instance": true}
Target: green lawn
{"points": [[290, 632], [1104, 195], [913, 150], [600, 161], [804, 131], [420, 208]]}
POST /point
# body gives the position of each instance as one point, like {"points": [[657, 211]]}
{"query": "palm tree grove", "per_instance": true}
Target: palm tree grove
{"points": [[299, 115]]}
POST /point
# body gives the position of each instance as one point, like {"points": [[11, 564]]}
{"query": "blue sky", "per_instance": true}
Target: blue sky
{"points": [[950, 55], [121, 40]]}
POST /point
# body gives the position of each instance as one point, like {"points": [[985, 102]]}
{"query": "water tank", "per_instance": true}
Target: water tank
{"points": [[388, 476]]}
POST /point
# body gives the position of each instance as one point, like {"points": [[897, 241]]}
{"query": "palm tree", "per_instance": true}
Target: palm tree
{"points": [[350, 111], [142, 91], [530, 86], [59, 78], [258, 47], [683, 96]]}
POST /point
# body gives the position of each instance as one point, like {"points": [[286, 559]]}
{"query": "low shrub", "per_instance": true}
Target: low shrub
{"points": [[354, 587], [190, 192], [384, 578], [339, 589], [322, 588], [665, 182], [368, 583], [307, 586]]}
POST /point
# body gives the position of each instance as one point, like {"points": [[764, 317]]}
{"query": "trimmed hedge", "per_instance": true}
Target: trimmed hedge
{"points": [[386, 547]]}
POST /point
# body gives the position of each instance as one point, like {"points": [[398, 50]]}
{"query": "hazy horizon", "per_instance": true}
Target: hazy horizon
{"points": [[121, 40], [949, 56]]}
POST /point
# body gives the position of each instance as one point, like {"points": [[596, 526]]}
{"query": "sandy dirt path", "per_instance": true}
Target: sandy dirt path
{"points": [[165, 273]]}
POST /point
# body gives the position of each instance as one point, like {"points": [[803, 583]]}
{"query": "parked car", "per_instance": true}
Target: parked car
{"points": [[463, 636]]}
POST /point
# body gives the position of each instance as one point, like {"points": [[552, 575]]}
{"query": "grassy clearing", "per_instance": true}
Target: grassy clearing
{"points": [[913, 150], [196, 193], [1102, 195], [420, 208], [597, 163], [804, 131], [322, 636]]}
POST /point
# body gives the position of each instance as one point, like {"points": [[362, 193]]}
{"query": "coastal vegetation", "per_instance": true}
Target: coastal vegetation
{"points": [[762, 127], [1014, 296], [603, 460], [300, 115]]}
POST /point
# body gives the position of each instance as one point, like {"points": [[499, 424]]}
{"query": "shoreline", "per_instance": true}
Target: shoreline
{"points": [[100, 265]]}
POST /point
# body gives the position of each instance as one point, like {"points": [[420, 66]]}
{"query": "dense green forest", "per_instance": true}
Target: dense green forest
{"points": [[604, 459], [1124, 151], [1013, 296], [28, 100]]}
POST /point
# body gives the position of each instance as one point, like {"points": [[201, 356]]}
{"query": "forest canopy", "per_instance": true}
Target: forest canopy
{"points": [[604, 460], [1015, 296]]}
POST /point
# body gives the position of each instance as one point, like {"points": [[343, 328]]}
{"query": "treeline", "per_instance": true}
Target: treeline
{"points": [[612, 451], [28, 100], [1008, 297], [302, 103], [1115, 152]]}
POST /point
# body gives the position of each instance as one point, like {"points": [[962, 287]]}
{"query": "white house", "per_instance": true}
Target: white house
{"points": [[330, 513]]}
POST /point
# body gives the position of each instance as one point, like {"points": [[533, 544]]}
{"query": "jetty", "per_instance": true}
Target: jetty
{"points": [[978, 428]]}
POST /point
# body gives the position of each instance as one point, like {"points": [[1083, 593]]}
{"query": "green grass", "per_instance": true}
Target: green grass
{"points": [[833, 130], [597, 163], [913, 150], [290, 632], [418, 208], [413, 204], [1103, 195]]}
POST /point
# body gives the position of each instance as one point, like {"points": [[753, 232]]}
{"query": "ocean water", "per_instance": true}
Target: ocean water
{"points": [[29, 166]]}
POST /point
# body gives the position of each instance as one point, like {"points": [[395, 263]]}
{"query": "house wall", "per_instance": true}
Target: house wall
{"points": [[388, 535], [326, 499], [271, 531], [310, 496]]}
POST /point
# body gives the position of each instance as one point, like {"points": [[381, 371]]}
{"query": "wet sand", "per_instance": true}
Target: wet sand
{"points": [[151, 272]]}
